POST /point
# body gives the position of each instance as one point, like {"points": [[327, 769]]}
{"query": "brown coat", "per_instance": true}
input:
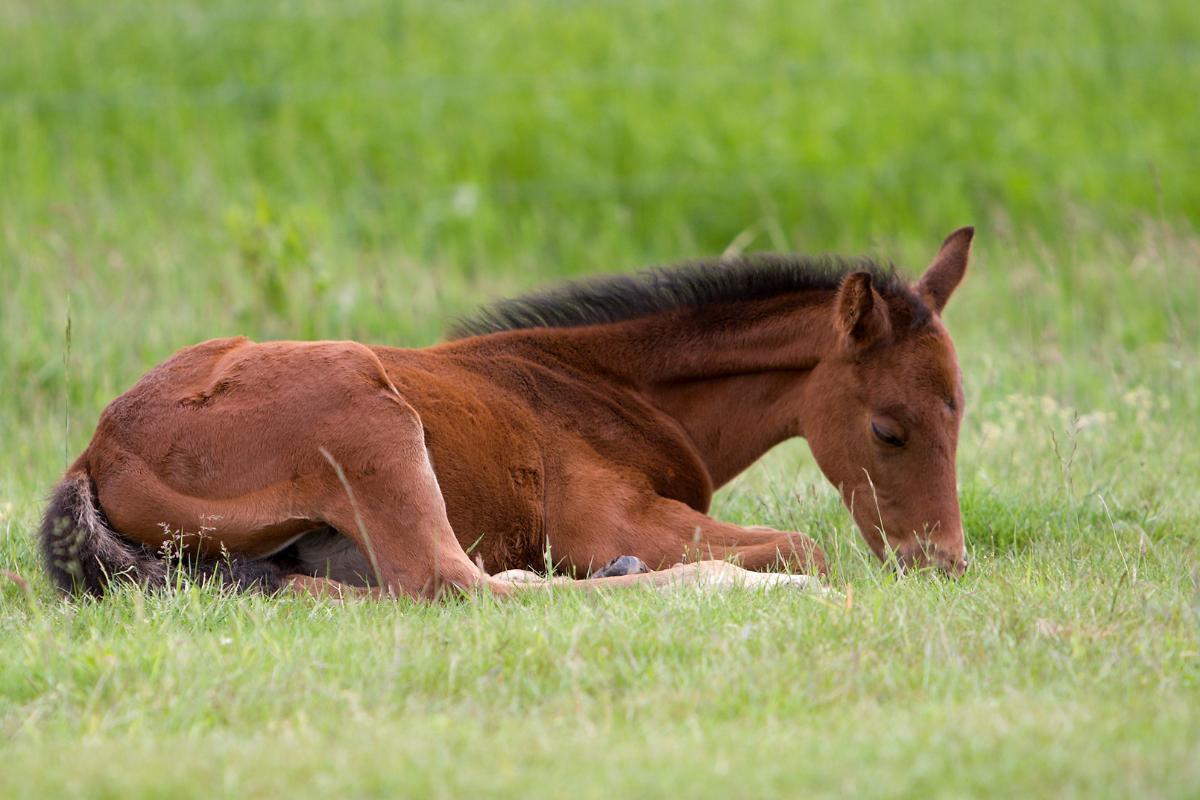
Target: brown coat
{"points": [[577, 426]]}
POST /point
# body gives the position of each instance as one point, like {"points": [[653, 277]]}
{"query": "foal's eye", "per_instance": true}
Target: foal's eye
{"points": [[887, 436]]}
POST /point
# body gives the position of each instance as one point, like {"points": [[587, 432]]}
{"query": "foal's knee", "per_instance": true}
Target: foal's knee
{"points": [[791, 552], [804, 555]]}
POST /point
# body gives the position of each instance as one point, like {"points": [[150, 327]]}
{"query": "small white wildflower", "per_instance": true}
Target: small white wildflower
{"points": [[991, 434], [465, 199], [1050, 406], [1139, 398], [1094, 419]]}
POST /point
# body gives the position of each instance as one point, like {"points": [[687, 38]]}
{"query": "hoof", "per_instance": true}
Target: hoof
{"points": [[621, 565]]}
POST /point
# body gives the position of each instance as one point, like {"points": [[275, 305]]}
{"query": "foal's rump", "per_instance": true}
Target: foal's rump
{"points": [[83, 554], [215, 456]]}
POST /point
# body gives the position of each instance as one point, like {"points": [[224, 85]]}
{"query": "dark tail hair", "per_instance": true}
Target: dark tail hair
{"points": [[83, 554]]}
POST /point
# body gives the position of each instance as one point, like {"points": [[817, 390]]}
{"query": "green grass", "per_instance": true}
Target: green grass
{"points": [[178, 171]]}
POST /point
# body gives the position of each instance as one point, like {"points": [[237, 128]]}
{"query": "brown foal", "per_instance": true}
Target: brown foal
{"points": [[579, 425]]}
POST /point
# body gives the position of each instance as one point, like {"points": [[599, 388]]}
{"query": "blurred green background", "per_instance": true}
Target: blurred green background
{"points": [[176, 171], [365, 169]]}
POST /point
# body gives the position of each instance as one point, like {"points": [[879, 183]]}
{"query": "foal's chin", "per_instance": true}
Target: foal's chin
{"points": [[928, 559]]}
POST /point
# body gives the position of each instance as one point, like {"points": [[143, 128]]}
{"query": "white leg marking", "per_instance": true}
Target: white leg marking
{"points": [[723, 575], [519, 576]]}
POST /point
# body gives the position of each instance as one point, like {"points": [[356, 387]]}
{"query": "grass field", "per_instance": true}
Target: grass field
{"points": [[177, 171]]}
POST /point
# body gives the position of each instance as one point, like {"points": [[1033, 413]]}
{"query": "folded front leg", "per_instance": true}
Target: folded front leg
{"points": [[661, 532]]}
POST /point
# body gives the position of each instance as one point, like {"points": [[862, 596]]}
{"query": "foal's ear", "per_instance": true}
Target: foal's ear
{"points": [[861, 314], [947, 268]]}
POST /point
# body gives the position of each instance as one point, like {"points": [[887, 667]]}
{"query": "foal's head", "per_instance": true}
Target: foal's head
{"points": [[885, 411]]}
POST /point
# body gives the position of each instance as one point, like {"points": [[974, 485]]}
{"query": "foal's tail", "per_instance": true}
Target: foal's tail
{"points": [[83, 554]]}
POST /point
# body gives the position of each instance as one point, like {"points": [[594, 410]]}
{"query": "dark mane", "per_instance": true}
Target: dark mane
{"points": [[623, 297]]}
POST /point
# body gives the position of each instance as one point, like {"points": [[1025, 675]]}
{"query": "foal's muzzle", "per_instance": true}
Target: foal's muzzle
{"points": [[921, 556]]}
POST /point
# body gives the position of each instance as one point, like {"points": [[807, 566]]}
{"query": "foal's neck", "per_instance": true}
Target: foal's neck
{"points": [[731, 376]]}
